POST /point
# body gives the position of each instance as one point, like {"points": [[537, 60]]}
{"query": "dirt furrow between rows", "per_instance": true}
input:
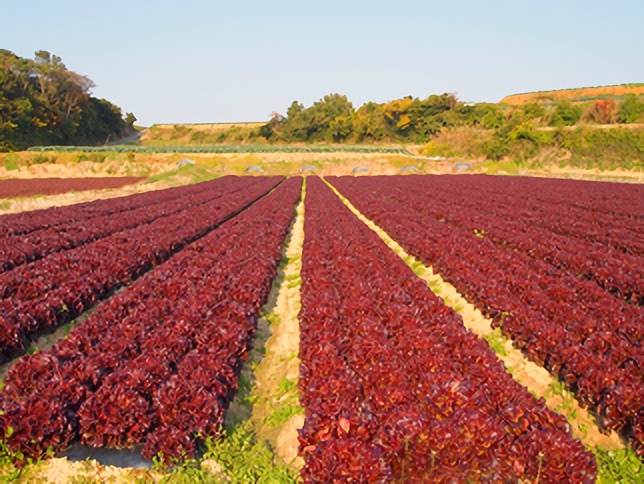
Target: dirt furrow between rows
{"points": [[267, 403]]}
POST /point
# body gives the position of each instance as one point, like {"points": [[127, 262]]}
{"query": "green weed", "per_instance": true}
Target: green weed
{"points": [[246, 459], [293, 280], [287, 386], [621, 466], [418, 267], [11, 162], [283, 413], [496, 341], [272, 318]]}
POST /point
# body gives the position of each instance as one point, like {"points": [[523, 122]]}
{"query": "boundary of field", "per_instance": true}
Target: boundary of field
{"points": [[222, 149]]}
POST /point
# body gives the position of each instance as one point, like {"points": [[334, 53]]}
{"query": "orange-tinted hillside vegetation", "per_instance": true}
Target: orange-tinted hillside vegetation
{"points": [[578, 94]]}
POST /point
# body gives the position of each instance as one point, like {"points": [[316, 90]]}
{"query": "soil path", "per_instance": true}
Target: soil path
{"points": [[270, 399]]}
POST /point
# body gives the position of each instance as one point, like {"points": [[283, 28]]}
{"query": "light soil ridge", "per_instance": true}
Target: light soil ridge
{"points": [[532, 376], [268, 395]]}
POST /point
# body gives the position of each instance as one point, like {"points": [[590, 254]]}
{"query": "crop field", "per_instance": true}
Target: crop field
{"points": [[55, 186], [275, 329], [224, 149]]}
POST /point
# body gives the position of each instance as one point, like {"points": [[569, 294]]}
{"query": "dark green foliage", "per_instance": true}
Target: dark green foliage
{"points": [[631, 110], [327, 120], [566, 113], [605, 149], [334, 120], [491, 116], [495, 149], [414, 120], [583, 147], [44, 103]]}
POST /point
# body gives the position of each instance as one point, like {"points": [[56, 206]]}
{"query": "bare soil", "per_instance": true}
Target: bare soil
{"points": [[63, 471], [273, 368]]}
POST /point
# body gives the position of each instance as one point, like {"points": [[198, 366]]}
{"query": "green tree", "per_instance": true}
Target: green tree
{"points": [[566, 113], [493, 117], [369, 123], [42, 102], [130, 119], [533, 110], [631, 109]]}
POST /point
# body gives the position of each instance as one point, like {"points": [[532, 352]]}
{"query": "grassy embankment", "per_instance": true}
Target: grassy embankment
{"points": [[576, 94]]}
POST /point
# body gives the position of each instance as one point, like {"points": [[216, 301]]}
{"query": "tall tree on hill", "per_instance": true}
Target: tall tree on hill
{"points": [[43, 103]]}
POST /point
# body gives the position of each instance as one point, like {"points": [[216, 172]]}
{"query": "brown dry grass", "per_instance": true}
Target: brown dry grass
{"points": [[183, 133], [458, 142], [583, 92], [79, 164], [163, 168], [214, 127], [36, 203]]}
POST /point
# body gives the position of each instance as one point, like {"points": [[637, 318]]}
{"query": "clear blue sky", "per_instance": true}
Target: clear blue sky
{"points": [[212, 61]]}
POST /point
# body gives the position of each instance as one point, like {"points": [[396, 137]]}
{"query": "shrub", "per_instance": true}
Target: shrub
{"points": [[566, 113], [631, 109]]}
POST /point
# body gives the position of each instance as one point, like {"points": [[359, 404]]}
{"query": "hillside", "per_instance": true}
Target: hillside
{"points": [[577, 94], [44, 103], [206, 133]]}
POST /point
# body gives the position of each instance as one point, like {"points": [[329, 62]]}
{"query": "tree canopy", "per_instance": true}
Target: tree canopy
{"points": [[333, 119], [44, 103]]}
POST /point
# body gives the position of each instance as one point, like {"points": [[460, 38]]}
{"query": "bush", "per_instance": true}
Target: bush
{"points": [[495, 149], [631, 109], [10, 162], [566, 114]]}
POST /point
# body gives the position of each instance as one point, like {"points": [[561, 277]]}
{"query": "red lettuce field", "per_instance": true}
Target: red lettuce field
{"points": [[159, 362], [171, 285], [585, 324], [395, 388], [56, 186]]}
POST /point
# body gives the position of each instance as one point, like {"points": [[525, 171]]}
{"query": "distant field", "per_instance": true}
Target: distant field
{"points": [[228, 148], [55, 186], [212, 127], [578, 94]]}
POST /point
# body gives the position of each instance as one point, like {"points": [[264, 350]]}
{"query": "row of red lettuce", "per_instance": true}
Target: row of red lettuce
{"points": [[583, 335], [511, 219], [126, 213], [158, 363], [37, 298], [394, 387], [26, 222]]}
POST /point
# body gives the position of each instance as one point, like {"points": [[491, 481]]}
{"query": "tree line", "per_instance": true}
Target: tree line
{"points": [[44, 103], [333, 119]]}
